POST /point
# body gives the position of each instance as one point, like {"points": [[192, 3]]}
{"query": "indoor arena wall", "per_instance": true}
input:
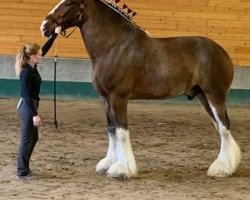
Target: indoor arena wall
{"points": [[225, 21]]}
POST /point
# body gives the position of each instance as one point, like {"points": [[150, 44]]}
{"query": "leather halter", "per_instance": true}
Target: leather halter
{"points": [[80, 21]]}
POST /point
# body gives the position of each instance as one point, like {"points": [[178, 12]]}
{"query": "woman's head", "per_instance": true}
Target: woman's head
{"points": [[30, 52]]}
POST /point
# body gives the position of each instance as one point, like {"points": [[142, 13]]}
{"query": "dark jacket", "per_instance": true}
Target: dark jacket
{"points": [[30, 79]]}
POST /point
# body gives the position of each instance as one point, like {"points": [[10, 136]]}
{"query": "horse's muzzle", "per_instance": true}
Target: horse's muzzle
{"points": [[48, 27], [43, 29]]}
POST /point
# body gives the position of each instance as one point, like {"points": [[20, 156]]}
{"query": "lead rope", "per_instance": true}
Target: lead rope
{"points": [[55, 56]]}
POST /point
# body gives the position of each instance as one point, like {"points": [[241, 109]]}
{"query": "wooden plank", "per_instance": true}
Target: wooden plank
{"points": [[227, 22], [19, 26], [53, 2], [168, 2], [11, 38], [20, 19], [243, 50], [230, 4], [12, 13], [8, 50], [241, 56], [169, 33], [229, 30], [210, 9], [19, 32], [191, 15], [26, 6], [242, 62], [234, 43], [16, 1], [239, 37]]}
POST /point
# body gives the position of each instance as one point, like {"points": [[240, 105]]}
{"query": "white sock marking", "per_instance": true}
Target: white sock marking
{"points": [[111, 156], [229, 156], [126, 164]]}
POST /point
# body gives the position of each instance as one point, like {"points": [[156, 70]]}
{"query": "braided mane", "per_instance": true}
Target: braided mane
{"points": [[122, 13]]}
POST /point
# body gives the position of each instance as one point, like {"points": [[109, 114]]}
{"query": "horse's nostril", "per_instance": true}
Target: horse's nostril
{"points": [[46, 34], [43, 26]]}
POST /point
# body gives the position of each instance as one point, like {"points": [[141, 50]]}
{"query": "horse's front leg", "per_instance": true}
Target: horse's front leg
{"points": [[125, 167], [111, 157]]}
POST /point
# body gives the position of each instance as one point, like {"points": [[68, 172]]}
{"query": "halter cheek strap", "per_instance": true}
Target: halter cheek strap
{"points": [[80, 13], [80, 20]]}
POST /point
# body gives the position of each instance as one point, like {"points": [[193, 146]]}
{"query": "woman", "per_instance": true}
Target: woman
{"points": [[27, 59]]}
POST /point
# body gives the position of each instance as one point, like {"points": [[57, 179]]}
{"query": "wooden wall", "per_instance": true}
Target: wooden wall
{"points": [[225, 21]]}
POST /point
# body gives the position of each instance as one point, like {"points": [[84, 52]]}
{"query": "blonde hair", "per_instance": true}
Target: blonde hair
{"points": [[23, 56]]}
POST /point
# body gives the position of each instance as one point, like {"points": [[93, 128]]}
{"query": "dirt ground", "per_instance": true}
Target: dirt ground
{"points": [[173, 144]]}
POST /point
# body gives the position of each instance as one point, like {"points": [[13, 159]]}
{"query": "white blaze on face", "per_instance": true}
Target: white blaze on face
{"points": [[54, 9], [50, 13], [42, 27]]}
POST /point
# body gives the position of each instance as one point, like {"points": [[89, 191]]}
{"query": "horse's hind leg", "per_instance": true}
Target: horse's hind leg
{"points": [[201, 96], [230, 155], [111, 157]]}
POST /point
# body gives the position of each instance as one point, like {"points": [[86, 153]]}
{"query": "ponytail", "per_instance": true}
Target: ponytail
{"points": [[23, 56], [20, 60]]}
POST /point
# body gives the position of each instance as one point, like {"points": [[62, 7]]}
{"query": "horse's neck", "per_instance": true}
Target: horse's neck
{"points": [[101, 32]]}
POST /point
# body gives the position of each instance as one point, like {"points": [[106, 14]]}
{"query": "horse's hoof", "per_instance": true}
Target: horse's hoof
{"points": [[119, 171], [227, 166], [102, 173], [103, 166], [119, 177], [219, 169]]}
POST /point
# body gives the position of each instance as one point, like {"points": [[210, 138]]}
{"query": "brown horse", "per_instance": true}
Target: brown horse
{"points": [[128, 63]]}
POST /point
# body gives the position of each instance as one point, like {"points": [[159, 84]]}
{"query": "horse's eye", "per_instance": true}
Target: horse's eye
{"points": [[67, 4]]}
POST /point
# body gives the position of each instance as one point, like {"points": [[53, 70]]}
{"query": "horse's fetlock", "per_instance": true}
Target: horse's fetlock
{"points": [[122, 135]]}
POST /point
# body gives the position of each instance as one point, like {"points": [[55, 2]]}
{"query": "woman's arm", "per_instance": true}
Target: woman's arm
{"points": [[46, 47]]}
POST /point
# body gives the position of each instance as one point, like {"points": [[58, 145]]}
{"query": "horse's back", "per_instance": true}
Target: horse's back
{"points": [[206, 60], [172, 66], [192, 47]]}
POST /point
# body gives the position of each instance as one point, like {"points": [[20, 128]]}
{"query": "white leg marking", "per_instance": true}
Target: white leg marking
{"points": [[230, 154], [111, 156], [125, 166]]}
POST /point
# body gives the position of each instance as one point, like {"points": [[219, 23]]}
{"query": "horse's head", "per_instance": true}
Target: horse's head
{"points": [[67, 13]]}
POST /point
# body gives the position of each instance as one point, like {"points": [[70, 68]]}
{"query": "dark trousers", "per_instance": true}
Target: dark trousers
{"points": [[28, 138]]}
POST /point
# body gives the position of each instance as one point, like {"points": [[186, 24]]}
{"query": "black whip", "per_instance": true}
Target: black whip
{"points": [[55, 120]]}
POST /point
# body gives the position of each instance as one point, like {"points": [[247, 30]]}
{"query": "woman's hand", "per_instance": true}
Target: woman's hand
{"points": [[58, 30], [37, 121]]}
